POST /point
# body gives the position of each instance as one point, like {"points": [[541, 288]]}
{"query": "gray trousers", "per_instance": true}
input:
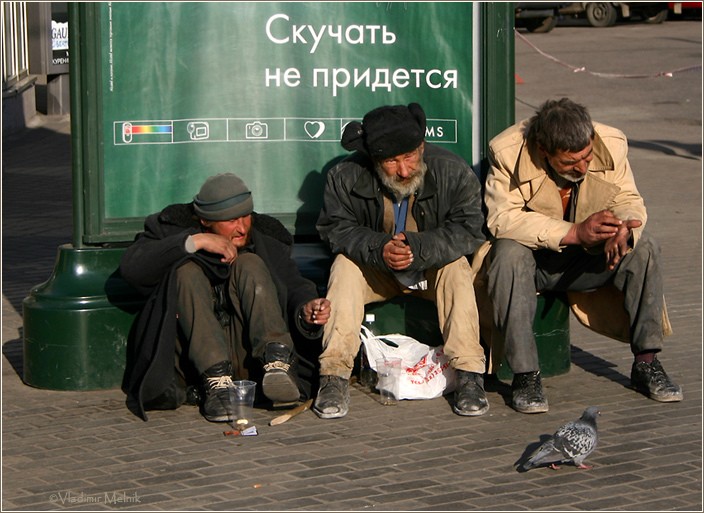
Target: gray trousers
{"points": [[233, 322], [516, 273]]}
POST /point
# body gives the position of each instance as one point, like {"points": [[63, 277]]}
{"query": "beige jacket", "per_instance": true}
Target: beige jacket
{"points": [[524, 204]]}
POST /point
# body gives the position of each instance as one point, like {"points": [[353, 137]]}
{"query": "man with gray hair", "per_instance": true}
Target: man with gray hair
{"points": [[565, 214], [401, 217], [225, 300]]}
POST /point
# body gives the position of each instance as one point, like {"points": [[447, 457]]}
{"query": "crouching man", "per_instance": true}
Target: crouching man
{"points": [[224, 298]]}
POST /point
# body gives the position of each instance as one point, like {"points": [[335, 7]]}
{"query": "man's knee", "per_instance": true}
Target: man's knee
{"points": [[190, 274], [250, 263], [647, 246], [345, 273], [509, 256], [343, 265], [457, 272], [644, 259], [509, 252]]}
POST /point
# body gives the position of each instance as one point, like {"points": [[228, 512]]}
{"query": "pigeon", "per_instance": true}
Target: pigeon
{"points": [[572, 442]]}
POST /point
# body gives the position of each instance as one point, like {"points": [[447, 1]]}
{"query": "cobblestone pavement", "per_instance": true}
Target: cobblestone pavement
{"points": [[86, 451]]}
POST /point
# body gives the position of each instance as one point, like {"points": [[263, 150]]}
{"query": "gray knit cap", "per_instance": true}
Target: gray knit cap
{"points": [[223, 197]]}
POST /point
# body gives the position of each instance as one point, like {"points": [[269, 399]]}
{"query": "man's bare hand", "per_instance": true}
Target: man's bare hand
{"points": [[316, 311], [617, 246], [213, 243], [594, 230], [397, 253]]}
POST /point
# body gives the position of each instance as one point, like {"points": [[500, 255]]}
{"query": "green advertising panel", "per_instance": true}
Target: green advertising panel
{"points": [[264, 90]]}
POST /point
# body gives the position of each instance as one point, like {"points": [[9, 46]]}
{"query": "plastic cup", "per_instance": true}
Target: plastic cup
{"points": [[242, 402], [389, 372]]}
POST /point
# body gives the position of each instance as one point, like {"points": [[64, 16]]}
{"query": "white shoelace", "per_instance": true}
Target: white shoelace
{"points": [[219, 382], [277, 365]]}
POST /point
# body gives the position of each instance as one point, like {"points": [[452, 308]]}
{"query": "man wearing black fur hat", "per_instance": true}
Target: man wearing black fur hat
{"points": [[401, 215], [224, 298]]}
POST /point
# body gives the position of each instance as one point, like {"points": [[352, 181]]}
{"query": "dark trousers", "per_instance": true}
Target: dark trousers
{"points": [[233, 321], [516, 273]]}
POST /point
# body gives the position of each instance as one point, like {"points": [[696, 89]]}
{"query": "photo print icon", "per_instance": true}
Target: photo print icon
{"points": [[256, 130]]}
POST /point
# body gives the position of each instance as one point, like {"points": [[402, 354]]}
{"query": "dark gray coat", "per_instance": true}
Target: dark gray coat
{"points": [[148, 265], [447, 210]]}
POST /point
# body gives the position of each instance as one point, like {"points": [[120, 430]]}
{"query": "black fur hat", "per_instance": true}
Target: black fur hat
{"points": [[386, 131]]}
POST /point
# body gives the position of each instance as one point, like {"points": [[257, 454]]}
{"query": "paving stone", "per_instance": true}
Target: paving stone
{"points": [[418, 456]]}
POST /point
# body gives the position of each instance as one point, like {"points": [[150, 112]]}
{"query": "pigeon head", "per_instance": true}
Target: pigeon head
{"points": [[590, 414]]}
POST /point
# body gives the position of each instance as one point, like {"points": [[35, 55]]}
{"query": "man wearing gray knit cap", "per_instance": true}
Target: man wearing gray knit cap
{"points": [[225, 300]]}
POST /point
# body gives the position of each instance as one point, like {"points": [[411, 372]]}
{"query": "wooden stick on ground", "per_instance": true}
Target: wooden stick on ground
{"points": [[292, 413]]}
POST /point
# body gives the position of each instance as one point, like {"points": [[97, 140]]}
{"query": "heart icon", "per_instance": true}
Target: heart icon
{"points": [[314, 129]]}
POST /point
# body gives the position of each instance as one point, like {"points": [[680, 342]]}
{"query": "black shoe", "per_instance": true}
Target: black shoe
{"points": [[652, 380], [527, 392], [193, 396], [333, 399], [470, 398], [217, 381], [280, 383]]}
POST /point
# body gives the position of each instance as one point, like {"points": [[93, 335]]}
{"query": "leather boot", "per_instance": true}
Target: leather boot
{"points": [[216, 381], [333, 400], [652, 380], [470, 398], [280, 383], [527, 392]]}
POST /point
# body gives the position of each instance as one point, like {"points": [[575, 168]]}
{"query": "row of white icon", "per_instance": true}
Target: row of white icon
{"points": [[274, 129], [200, 130]]}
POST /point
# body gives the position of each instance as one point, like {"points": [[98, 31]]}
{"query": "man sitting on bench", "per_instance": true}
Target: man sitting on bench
{"points": [[401, 216], [563, 206]]}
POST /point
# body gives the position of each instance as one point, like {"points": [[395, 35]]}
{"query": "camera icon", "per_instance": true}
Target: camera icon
{"points": [[256, 130]]}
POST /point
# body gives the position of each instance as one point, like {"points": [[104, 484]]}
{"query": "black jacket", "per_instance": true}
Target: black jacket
{"points": [[148, 265], [447, 210]]}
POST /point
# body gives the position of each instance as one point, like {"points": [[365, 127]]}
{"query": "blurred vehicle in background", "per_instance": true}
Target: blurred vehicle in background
{"points": [[685, 10], [606, 14], [538, 17]]}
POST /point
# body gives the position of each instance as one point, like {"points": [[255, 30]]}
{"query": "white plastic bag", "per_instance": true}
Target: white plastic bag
{"points": [[426, 370]]}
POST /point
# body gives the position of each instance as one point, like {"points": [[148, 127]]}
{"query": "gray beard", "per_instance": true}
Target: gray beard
{"points": [[561, 179], [403, 189], [571, 178]]}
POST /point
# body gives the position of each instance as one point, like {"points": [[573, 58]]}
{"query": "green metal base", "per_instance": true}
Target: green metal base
{"points": [[76, 324], [551, 329], [408, 315], [417, 318]]}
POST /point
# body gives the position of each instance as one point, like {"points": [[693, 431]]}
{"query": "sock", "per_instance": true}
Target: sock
{"points": [[645, 356]]}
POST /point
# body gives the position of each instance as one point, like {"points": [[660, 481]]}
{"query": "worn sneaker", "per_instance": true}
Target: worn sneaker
{"points": [[527, 392], [333, 399], [470, 398], [652, 380], [217, 381], [280, 383]]}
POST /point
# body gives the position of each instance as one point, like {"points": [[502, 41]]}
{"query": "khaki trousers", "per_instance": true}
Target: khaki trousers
{"points": [[351, 287]]}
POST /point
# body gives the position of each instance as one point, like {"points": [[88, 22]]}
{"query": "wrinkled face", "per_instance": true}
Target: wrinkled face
{"points": [[403, 174], [569, 165], [237, 230]]}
